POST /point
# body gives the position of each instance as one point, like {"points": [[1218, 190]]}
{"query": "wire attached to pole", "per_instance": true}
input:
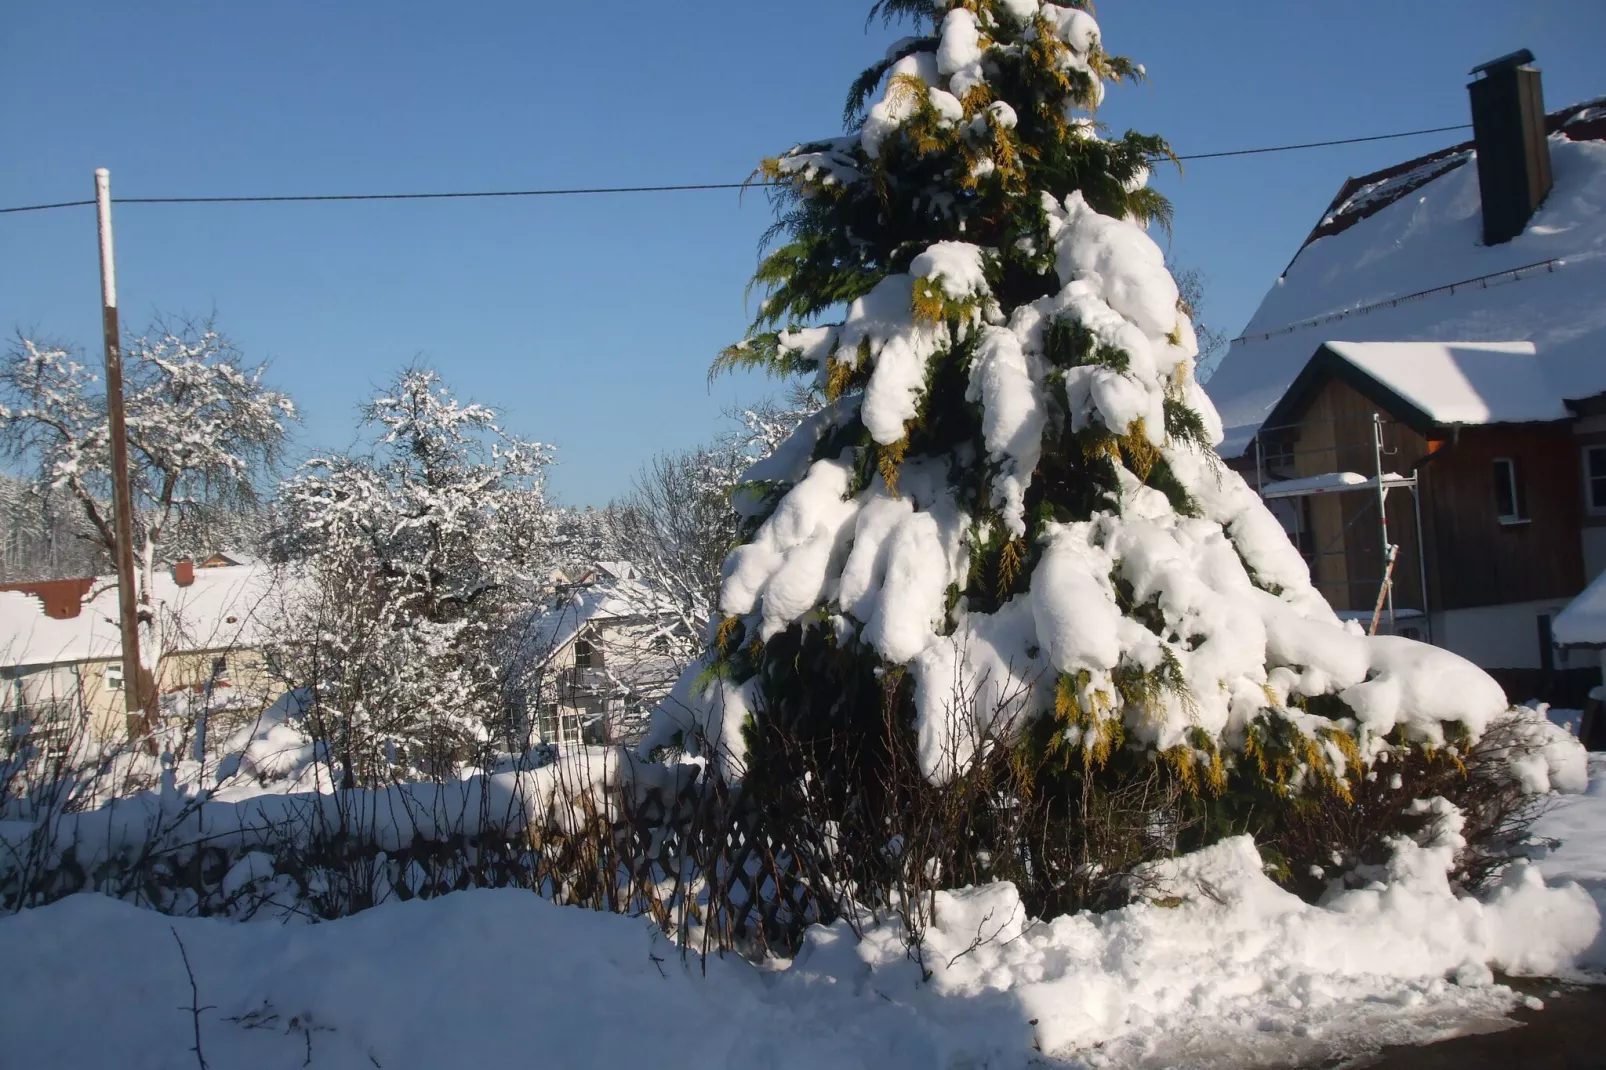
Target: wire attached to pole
{"points": [[596, 190]]}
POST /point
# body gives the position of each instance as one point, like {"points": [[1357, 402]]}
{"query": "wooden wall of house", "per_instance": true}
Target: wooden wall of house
{"points": [[1335, 435], [1474, 559]]}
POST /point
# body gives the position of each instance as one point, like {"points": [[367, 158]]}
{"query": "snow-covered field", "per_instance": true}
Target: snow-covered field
{"points": [[1224, 969]]}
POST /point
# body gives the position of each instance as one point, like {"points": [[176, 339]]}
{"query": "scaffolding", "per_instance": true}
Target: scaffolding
{"points": [[1380, 482]]}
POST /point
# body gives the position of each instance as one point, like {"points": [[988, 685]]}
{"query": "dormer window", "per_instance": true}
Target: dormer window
{"points": [[586, 656]]}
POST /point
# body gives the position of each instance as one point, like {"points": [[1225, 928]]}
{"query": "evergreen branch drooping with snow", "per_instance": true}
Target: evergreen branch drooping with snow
{"points": [[1009, 521]]}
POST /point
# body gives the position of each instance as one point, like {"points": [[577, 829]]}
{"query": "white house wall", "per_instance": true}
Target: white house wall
{"points": [[1594, 540], [1497, 637]]}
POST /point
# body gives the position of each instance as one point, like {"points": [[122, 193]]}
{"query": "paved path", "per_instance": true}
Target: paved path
{"points": [[1568, 1034]]}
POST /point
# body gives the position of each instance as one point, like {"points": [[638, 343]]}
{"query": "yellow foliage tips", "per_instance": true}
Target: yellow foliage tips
{"points": [[1306, 756], [1182, 763], [1175, 335], [725, 632], [1088, 711], [837, 375], [1345, 744], [1098, 445], [888, 458], [903, 85], [976, 98], [1010, 561], [930, 302], [1177, 382], [1141, 454], [1098, 61], [769, 169], [1315, 759]]}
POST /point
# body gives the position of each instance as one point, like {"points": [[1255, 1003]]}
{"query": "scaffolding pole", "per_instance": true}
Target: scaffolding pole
{"points": [[1389, 549]]}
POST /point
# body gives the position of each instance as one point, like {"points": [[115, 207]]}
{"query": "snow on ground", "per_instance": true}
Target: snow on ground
{"points": [[1578, 823], [1221, 969]]}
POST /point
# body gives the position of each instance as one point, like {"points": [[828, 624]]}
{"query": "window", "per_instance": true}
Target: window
{"points": [[585, 655], [114, 678], [1509, 505], [1277, 458], [1595, 479], [220, 670]]}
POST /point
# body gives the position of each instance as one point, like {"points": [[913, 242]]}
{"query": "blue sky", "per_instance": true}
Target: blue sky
{"points": [[591, 320]]}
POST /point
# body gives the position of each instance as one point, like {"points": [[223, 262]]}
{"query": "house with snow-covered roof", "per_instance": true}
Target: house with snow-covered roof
{"points": [[607, 648], [1421, 396], [61, 670]]}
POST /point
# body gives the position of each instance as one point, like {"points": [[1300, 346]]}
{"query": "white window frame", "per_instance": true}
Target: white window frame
{"points": [[1598, 449], [1514, 485]]}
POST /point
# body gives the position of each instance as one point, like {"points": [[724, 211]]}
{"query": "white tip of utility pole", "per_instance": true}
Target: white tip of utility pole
{"points": [[103, 206]]}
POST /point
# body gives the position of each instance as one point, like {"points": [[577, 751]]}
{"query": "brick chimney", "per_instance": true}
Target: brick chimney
{"points": [[61, 599], [1508, 128], [184, 572]]}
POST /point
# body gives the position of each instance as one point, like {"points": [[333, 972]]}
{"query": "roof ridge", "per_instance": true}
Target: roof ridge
{"points": [[1572, 120]]}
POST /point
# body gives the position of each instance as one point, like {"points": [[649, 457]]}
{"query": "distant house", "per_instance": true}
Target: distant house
{"points": [[61, 651], [608, 648], [1429, 373]]}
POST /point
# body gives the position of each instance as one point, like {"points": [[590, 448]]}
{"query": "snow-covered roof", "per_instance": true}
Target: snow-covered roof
{"points": [[1432, 383], [1330, 483], [1583, 622], [225, 608], [616, 598], [1395, 274], [1461, 382]]}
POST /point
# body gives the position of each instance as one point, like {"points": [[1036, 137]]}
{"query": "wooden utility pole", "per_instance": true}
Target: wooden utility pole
{"points": [[134, 700]]}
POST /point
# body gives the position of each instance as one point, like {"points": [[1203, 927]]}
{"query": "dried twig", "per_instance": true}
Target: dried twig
{"points": [[195, 1008]]}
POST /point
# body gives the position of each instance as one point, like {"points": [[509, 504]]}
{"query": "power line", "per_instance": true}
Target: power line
{"points": [[1324, 144], [636, 189]]}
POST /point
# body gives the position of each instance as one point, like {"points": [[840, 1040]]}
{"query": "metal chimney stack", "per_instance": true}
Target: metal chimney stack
{"points": [[1508, 127]]}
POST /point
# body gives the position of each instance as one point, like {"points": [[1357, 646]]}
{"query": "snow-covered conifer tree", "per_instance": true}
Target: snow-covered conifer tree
{"points": [[1007, 535]]}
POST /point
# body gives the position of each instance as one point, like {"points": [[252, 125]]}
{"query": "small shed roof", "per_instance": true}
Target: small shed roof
{"points": [[1432, 384], [1583, 622]]}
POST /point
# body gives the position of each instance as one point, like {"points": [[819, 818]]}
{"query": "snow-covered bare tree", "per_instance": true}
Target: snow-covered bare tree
{"points": [[414, 557], [1212, 342], [678, 523], [44, 536], [203, 432]]}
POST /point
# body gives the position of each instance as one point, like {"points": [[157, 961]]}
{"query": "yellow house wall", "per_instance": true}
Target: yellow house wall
{"points": [[85, 683]]}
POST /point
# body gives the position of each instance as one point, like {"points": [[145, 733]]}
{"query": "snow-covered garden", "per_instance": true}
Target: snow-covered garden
{"points": [[1217, 966], [1012, 728]]}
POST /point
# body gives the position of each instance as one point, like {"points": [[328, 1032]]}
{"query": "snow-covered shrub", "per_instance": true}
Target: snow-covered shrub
{"points": [[999, 609]]}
